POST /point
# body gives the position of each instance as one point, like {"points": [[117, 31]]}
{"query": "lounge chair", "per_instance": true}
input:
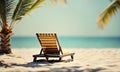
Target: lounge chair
{"points": [[50, 47]]}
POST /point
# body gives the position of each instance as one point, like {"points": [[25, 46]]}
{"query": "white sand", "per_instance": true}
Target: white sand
{"points": [[85, 60]]}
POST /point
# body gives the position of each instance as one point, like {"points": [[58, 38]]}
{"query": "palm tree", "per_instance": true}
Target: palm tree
{"points": [[12, 11], [111, 10]]}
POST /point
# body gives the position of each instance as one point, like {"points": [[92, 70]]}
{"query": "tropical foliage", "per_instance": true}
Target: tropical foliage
{"points": [[12, 11], [111, 10]]}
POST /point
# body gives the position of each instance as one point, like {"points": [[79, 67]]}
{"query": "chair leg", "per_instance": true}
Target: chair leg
{"points": [[47, 58], [72, 57], [34, 60], [60, 58]]}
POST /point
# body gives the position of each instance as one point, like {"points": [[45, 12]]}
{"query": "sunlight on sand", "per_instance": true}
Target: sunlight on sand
{"points": [[85, 60]]}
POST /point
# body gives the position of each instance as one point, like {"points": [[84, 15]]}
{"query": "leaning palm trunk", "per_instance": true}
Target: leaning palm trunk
{"points": [[5, 35]]}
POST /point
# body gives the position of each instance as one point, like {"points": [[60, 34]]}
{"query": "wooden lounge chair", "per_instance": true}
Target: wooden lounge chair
{"points": [[50, 47]]}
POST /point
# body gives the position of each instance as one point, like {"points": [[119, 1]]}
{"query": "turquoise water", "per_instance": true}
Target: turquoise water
{"points": [[69, 42]]}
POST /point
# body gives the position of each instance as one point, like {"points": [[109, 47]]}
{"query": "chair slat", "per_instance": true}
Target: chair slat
{"points": [[48, 42], [50, 39], [49, 45], [47, 37]]}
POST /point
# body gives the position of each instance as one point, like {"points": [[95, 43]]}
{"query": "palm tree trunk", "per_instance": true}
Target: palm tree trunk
{"points": [[5, 43]]}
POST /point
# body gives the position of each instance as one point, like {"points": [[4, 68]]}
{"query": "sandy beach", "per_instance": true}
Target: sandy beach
{"points": [[85, 60]]}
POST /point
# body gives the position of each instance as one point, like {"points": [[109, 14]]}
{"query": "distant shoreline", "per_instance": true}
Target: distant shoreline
{"points": [[68, 42], [64, 48]]}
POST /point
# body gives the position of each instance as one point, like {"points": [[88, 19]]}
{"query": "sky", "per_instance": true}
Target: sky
{"points": [[76, 18]]}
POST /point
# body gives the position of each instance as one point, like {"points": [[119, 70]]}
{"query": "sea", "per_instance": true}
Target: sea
{"points": [[69, 42]]}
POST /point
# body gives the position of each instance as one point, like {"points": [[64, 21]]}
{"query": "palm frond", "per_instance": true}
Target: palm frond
{"points": [[21, 9], [3, 12], [63, 1], [24, 7], [35, 5], [55, 1], [108, 12], [10, 6]]}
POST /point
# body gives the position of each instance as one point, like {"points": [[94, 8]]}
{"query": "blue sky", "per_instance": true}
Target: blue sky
{"points": [[76, 18]]}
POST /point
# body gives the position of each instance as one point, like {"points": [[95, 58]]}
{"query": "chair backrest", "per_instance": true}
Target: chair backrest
{"points": [[49, 43]]}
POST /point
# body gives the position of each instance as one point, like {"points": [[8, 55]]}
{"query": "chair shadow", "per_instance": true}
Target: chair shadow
{"points": [[38, 63], [77, 69], [44, 63]]}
